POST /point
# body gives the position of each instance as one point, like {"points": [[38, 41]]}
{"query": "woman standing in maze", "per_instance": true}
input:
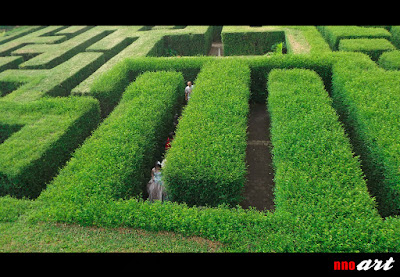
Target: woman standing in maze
{"points": [[155, 186]]}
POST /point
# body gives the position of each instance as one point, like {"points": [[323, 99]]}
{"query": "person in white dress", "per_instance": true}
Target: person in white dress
{"points": [[155, 187], [188, 91]]}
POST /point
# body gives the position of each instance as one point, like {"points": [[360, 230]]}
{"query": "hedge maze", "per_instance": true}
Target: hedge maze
{"points": [[84, 111], [39, 138]]}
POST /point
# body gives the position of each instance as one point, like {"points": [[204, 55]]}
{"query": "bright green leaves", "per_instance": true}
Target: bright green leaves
{"points": [[206, 163], [38, 139], [115, 162]]}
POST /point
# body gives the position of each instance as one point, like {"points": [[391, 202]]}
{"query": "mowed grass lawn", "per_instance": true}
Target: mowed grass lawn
{"points": [[21, 236]]}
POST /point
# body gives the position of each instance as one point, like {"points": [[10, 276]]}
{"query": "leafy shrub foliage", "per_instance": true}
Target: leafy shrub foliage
{"points": [[206, 163], [366, 96], [39, 137], [333, 215], [109, 88], [115, 162], [390, 60], [317, 178], [250, 43], [322, 201], [372, 47], [333, 34]]}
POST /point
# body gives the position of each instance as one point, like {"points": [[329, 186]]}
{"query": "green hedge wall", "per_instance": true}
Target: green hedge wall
{"points": [[10, 62], [189, 44], [356, 229], [318, 216], [366, 97], [53, 82], [260, 68], [390, 60], [109, 87], [39, 139], [320, 228], [317, 179], [250, 43], [206, 162], [395, 31], [372, 47], [11, 208], [115, 162], [333, 34]]}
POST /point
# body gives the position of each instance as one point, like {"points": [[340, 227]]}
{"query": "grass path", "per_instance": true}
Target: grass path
{"points": [[21, 236]]}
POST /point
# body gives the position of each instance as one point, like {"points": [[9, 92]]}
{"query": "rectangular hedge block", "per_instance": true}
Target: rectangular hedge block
{"points": [[317, 178], [247, 40], [372, 47], [48, 82], [10, 62], [367, 98], [109, 87], [51, 55], [35, 35], [250, 43], [390, 60], [206, 162], [116, 161], [188, 44], [320, 228]]}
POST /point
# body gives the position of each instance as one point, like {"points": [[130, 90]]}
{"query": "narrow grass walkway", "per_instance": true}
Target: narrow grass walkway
{"points": [[21, 236]]}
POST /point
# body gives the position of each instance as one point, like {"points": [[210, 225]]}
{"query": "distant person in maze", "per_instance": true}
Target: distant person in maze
{"points": [[155, 187], [188, 90]]}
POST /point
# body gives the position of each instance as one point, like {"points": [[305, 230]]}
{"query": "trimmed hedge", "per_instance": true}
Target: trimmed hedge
{"points": [[308, 222], [366, 96], [36, 34], [390, 60], [115, 162], [317, 179], [10, 62], [245, 40], [145, 41], [51, 55], [39, 138], [206, 162], [355, 229], [17, 32], [395, 31], [189, 44], [250, 43], [314, 39], [109, 87], [239, 229], [51, 82], [372, 47], [12, 208], [260, 67], [333, 34], [111, 44]]}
